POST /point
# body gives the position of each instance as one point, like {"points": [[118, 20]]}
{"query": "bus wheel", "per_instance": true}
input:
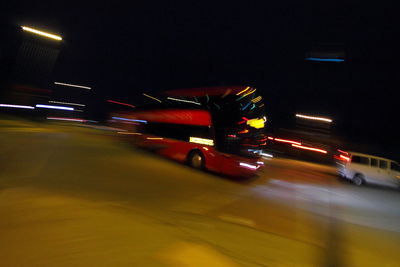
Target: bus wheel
{"points": [[196, 160], [358, 179]]}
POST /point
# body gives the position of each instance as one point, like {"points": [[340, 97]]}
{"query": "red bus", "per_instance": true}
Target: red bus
{"points": [[220, 129]]}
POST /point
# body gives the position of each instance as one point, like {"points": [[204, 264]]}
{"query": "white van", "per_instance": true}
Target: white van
{"points": [[362, 168]]}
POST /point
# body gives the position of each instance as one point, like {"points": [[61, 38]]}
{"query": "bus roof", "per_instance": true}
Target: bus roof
{"points": [[210, 91]]}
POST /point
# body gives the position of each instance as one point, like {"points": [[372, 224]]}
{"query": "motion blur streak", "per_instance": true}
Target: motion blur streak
{"points": [[266, 155], [247, 88], [125, 119], [345, 158], [48, 35], [202, 141], [67, 103], [183, 100], [120, 103], [344, 152], [149, 96], [310, 148], [66, 119], [73, 85], [205, 148], [257, 99], [129, 133], [154, 138], [16, 106], [54, 107], [313, 118], [243, 131], [252, 91], [325, 59], [249, 166], [287, 141]]}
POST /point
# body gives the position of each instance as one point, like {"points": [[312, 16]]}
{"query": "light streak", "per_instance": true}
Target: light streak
{"points": [[54, 107], [345, 158], [257, 99], [73, 85], [266, 155], [154, 138], [325, 59], [205, 148], [243, 131], [66, 119], [67, 103], [16, 106], [313, 118], [310, 148], [125, 119], [183, 100], [152, 97], [249, 166], [202, 141], [344, 152], [120, 103], [129, 133], [247, 88], [42, 33], [287, 141]]}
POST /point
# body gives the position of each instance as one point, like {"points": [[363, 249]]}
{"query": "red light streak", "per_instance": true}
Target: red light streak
{"points": [[120, 103], [287, 141], [344, 152], [270, 138], [244, 118], [344, 158], [244, 131], [310, 148]]}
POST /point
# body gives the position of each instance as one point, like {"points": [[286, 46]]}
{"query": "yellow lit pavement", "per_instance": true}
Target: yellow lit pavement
{"points": [[72, 196]]}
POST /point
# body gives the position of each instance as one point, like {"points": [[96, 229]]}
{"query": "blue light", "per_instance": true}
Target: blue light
{"points": [[325, 59], [246, 106], [125, 119]]}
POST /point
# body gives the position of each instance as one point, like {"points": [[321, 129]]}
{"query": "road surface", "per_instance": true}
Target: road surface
{"points": [[77, 196]]}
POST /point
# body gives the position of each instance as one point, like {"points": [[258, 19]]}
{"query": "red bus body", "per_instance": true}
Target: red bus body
{"points": [[180, 148]]}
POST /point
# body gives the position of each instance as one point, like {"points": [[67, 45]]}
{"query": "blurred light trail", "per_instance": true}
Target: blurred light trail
{"points": [[252, 91], [183, 100], [79, 110], [345, 158], [65, 119], [260, 162], [287, 141], [205, 148], [310, 148], [129, 133], [270, 138], [249, 166], [154, 138], [16, 106], [247, 88], [266, 155], [344, 152], [325, 59], [73, 85], [202, 141], [243, 131], [125, 119], [149, 96], [257, 99], [120, 103], [54, 107], [45, 34], [67, 103], [313, 118]]}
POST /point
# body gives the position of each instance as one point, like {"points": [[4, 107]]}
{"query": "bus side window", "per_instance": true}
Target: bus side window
{"points": [[383, 164], [374, 162]]}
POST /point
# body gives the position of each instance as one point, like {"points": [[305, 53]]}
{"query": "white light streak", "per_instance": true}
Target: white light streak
{"points": [[54, 107], [16, 106], [249, 166], [313, 118], [45, 34], [183, 100], [73, 85], [202, 141], [67, 103]]}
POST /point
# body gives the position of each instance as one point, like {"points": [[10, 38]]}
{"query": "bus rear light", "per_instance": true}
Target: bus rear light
{"points": [[202, 141]]}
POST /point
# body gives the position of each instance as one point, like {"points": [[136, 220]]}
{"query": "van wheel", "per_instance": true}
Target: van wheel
{"points": [[196, 160], [358, 179]]}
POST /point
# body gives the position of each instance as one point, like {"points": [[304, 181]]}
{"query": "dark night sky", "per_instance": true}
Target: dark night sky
{"points": [[124, 50]]}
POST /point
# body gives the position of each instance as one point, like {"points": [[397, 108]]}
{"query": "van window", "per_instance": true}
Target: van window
{"points": [[374, 162], [360, 160], [394, 166], [383, 164]]}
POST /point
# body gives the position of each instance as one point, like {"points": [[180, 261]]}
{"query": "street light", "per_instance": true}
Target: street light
{"points": [[45, 34]]}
